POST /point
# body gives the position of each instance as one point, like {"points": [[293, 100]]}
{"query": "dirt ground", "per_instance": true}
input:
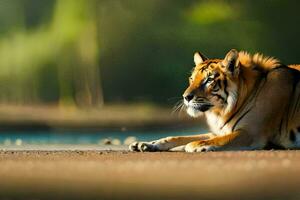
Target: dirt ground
{"points": [[128, 175]]}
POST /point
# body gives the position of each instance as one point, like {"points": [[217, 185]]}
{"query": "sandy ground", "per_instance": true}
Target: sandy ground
{"points": [[96, 174]]}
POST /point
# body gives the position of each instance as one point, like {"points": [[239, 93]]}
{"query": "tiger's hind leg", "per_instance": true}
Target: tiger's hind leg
{"points": [[165, 144]]}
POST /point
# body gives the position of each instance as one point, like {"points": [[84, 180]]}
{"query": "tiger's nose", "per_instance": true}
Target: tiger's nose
{"points": [[188, 97]]}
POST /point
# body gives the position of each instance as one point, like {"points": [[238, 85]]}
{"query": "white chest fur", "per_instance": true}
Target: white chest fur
{"points": [[216, 124]]}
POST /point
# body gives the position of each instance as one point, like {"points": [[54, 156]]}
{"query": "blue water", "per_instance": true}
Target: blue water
{"points": [[50, 137]]}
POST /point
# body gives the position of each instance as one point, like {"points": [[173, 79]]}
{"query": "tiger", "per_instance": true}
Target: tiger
{"points": [[250, 102]]}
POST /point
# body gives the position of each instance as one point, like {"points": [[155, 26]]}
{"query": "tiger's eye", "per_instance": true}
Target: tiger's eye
{"points": [[210, 79]]}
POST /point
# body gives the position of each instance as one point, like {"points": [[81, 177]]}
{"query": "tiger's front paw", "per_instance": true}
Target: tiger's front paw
{"points": [[191, 148], [142, 147]]}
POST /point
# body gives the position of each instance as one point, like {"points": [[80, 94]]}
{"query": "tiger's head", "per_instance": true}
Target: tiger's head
{"points": [[213, 84]]}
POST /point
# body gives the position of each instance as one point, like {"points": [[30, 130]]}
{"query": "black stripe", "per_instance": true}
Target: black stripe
{"points": [[225, 88], [280, 126], [219, 83], [207, 65], [239, 119], [292, 136], [232, 116]]}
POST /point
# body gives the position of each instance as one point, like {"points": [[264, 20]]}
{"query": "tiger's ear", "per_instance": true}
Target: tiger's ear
{"points": [[199, 58], [231, 62]]}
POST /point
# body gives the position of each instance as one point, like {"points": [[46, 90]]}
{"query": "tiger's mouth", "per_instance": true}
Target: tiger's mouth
{"points": [[204, 107], [196, 110]]}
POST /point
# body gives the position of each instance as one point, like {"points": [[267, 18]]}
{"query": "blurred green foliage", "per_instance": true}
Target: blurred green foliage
{"points": [[90, 52]]}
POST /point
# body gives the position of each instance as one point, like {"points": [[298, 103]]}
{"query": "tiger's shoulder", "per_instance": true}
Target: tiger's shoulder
{"points": [[261, 61]]}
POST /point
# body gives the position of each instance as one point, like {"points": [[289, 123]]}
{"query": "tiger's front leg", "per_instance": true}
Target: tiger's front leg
{"points": [[167, 143], [232, 141]]}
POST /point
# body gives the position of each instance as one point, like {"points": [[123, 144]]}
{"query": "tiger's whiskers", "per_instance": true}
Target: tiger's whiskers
{"points": [[178, 108]]}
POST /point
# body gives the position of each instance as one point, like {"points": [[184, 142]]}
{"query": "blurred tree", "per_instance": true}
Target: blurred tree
{"points": [[69, 42], [75, 30]]}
